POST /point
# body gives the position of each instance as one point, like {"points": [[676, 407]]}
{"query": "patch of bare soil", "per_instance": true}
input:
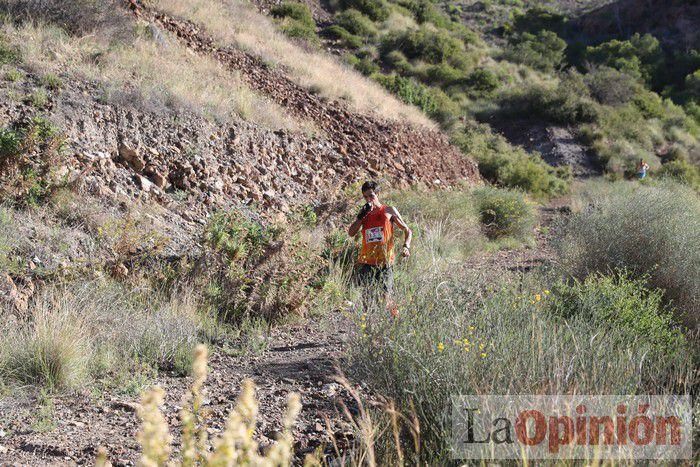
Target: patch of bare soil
{"points": [[299, 358]]}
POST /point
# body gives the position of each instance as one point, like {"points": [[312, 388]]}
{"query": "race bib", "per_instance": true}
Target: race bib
{"points": [[374, 235]]}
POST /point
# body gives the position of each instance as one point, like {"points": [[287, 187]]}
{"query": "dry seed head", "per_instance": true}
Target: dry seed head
{"points": [[154, 436]]}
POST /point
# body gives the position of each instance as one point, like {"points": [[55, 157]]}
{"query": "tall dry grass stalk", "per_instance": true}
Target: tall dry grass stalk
{"points": [[79, 331], [236, 446], [238, 22]]}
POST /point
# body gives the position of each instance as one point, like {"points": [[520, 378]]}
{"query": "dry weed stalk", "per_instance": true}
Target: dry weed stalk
{"points": [[236, 446]]}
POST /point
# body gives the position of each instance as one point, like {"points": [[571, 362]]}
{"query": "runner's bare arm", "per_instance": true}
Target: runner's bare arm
{"points": [[396, 218], [355, 227]]}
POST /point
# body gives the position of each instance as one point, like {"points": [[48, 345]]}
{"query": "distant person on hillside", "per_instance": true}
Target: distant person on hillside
{"points": [[642, 169], [376, 258]]}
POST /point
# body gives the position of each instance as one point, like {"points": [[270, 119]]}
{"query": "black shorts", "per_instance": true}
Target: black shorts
{"points": [[372, 276]]}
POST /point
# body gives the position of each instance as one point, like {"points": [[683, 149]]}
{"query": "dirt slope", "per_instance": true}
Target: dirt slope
{"points": [[397, 149]]}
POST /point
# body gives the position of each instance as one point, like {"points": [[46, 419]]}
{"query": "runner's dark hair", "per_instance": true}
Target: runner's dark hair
{"points": [[370, 185]]}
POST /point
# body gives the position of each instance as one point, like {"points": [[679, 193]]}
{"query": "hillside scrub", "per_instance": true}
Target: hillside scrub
{"points": [[615, 94], [461, 332], [313, 69], [77, 333], [649, 230], [136, 68], [510, 167], [296, 20]]}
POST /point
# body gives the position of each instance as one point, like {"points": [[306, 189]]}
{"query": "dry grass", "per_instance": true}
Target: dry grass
{"points": [[85, 330], [147, 68], [235, 446], [237, 22]]}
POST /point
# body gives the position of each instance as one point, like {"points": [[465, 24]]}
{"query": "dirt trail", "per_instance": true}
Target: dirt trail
{"points": [[299, 358]]}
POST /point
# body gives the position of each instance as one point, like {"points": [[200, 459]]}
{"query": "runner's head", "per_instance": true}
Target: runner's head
{"points": [[369, 192]]}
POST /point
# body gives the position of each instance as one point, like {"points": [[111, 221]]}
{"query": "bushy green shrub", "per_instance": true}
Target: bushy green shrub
{"points": [[640, 56], [543, 51], [652, 231], [376, 10], [432, 101], [429, 45], [505, 213], [239, 237], [10, 143], [483, 81], [681, 171], [296, 20], [610, 86], [622, 301], [356, 23], [569, 102], [364, 65], [344, 36], [508, 166], [441, 74]]}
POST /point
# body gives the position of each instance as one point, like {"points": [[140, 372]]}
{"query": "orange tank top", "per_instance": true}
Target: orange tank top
{"points": [[377, 238]]}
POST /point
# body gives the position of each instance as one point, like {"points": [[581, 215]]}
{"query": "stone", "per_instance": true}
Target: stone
{"points": [[159, 180], [131, 157]]}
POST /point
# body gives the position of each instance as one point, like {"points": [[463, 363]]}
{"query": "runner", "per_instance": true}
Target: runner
{"points": [[376, 258]]}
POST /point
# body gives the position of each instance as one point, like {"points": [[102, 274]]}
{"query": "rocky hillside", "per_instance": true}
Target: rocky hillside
{"points": [[122, 150]]}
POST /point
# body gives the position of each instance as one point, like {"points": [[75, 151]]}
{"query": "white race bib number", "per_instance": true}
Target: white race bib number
{"points": [[374, 235]]}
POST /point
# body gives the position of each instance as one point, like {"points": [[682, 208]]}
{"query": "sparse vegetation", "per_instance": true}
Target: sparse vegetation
{"points": [[80, 332], [296, 20], [651, 231]]}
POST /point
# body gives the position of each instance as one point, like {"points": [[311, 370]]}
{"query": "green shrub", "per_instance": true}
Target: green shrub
{"points": [[569, 102], [652, 231], [620, 301], [296, 20], [398, 62], [640, 56], [376, 10], [441, 74], [429, 45], [505, 213], [364, 65], [356, 23], [483, 81], [432, 101], [610, 86], [544, 51], [681, 171], [51, 81], [10, 143], [13, 75], [341, 34], [509, 166], [240, 238]]}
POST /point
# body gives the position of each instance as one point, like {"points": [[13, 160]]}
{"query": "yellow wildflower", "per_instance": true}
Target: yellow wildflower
{"points": [[538, 297], [546, 292], [471, 328], [440, 347], [481, 346], [483, 354]]}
